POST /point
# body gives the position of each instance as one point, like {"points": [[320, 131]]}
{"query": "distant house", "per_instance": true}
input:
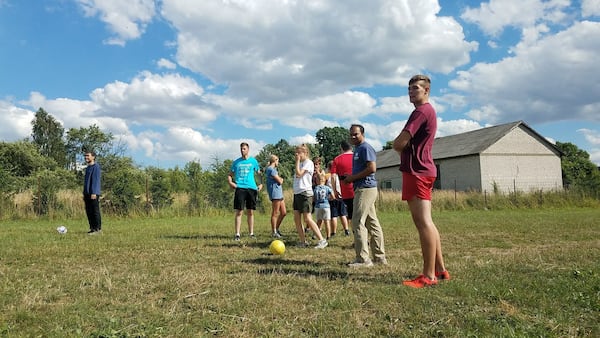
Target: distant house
{"points": [[504, 158], [77, 166]]}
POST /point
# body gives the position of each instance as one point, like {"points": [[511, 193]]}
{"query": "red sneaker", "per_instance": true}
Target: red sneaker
{"points": [[442, 275], [420, 282]]}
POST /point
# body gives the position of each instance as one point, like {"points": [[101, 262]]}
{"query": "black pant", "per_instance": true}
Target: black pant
{"points": [[92, 210]]}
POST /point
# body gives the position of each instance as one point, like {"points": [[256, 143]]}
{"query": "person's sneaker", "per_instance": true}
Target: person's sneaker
{"points": [[357, 264], [346, 233], [252, 236], [332, 234], [236, 238], [321, 244], [442, 275], [420, 282], [92, 232], [302, 245], [276, 235], [279, 233]]}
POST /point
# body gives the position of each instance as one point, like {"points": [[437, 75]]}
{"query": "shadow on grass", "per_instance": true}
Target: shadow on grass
{"points": [[265, 245], [281, 261], [305, 268], [260, 243], [198, 236]]}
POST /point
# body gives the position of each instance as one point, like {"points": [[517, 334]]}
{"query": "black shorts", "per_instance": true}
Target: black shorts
{"points": [[302, 203], [245, 197], [338, 208], [350, 206]]}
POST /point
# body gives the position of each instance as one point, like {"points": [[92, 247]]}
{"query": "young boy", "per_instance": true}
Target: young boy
{"points": [[323, 194]]}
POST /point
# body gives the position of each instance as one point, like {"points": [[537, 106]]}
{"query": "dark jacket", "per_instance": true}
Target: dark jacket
{"points": [[91, 183]]}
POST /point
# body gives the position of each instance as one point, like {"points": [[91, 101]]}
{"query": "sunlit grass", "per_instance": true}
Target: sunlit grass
{"points": [[515, 273]]}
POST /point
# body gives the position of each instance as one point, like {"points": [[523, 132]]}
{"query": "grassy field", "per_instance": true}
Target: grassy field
{"points": [[516, 273]]}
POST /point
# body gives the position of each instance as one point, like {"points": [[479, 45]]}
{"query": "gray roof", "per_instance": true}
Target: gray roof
{"points": [[464, 144]]}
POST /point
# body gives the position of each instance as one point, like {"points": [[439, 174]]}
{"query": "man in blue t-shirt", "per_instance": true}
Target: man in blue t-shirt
{"points": [[365, 223], [241, 178]]}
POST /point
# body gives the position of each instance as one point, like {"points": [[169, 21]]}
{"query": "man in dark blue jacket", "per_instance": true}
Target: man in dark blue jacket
{"points": [[91, 193]]}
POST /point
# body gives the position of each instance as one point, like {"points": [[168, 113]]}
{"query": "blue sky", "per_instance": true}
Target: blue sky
{"points": [[179, 80]]}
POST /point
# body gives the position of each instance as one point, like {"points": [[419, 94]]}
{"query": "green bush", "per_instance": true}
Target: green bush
{"points": [[48, 182], [127, 189]]}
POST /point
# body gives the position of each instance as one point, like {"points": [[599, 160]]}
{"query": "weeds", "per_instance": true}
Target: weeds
{"points": [[69, 204]]}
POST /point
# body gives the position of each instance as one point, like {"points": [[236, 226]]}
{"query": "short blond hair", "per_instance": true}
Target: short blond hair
{"points": [[322, 177], [273, 158]]}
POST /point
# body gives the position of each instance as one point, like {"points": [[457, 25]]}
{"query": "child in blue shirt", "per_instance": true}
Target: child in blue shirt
{"points": [[323, 194]]}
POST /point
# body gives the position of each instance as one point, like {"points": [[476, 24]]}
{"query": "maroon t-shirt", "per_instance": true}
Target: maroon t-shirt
{"points": [[417, 158]]}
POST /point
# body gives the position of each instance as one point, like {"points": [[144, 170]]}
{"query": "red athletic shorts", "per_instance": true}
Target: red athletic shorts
{"points": [[419, 186]]}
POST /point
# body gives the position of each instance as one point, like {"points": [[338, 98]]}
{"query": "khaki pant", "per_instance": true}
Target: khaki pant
{"points": [[365, 225]]}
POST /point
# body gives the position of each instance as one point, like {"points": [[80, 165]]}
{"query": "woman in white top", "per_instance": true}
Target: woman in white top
{"points": [[303, 197]]}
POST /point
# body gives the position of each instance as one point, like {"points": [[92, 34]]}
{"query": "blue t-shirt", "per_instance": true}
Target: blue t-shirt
{"points": [[274, 189], [364, 153], [243, 172], [322, 193]]}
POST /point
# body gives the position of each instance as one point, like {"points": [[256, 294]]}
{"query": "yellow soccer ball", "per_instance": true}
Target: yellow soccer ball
{"points": [[277, 247]]}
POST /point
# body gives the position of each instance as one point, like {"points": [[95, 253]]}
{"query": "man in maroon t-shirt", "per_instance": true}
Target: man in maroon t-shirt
{"points": [[342, 167], [414, 144]]}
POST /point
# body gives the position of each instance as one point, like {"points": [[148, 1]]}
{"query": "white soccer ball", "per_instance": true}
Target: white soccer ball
{"points": [[62, 229]]}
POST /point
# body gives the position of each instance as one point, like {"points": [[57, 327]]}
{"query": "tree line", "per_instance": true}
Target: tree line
{"points": [[51, 159]]}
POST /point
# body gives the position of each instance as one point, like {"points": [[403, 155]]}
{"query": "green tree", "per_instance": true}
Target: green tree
{"points": [[177, 179], [112, 166], [388, 145], [47, 135], [219, 194], [8, 187], [329, 140], [578, 171], [125, 190], [47, 184], [7, 181], [91, 138], [23, 158], [160, 188], [196, 188]]}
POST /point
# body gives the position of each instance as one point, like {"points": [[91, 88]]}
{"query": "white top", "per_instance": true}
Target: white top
{"points": [[337, 184], [304, 184]]}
